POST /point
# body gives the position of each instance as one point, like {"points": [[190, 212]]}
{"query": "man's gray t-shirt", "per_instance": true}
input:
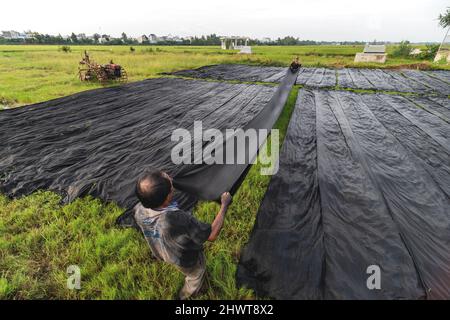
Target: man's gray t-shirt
{"points": [[174, 236]]}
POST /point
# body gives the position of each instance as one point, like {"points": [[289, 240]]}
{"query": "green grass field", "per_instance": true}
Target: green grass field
{"points": [[30, 74], [40, 238]]}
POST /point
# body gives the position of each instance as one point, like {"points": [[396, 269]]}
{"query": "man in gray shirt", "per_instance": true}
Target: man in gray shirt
{"points": [[173, 235]]}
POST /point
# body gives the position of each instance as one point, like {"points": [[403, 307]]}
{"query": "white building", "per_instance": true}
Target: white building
{"points": [[104, 39], [152, 38], [13, 35], [142, 39], [372, 53], [30, 34]]}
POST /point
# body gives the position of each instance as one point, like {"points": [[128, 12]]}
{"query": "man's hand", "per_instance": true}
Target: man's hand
{"points": [[225, 199], [217, 224]]}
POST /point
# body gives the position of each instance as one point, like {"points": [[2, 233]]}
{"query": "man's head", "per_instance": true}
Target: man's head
{"points": [[154, 189]]}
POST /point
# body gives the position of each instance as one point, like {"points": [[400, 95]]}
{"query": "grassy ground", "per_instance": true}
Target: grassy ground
{"points": [[39, 238], [30, 74]]}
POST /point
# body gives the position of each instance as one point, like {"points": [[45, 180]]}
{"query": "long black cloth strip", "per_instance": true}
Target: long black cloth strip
{"points": [[208, 182]]}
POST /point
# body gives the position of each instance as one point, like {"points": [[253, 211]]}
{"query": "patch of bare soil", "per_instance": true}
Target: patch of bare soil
{"points": [[415, 66]]}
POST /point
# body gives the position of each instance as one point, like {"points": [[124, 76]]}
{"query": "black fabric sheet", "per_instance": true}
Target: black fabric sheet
{"points": [[363, 180], [321, 78], [441, 75], [435, 106], [235, 72], [435, 84], [98, 142], [210, 181], [413, 81]]}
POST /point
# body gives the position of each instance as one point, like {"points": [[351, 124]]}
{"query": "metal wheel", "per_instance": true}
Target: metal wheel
{"points": [[123, 76], [82, 74]]}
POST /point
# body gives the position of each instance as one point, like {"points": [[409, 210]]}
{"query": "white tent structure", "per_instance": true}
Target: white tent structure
{"points": [[236, 43]]}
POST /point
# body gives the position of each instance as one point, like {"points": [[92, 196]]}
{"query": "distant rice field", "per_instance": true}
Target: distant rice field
{"points": [[35, 73]]}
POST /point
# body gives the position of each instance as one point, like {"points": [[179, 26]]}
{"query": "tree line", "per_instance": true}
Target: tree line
{"points": [[206, 40]]}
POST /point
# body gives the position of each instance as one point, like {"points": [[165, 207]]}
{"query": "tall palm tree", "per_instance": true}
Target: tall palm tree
{"points": [[444, 19], [444, 22]]}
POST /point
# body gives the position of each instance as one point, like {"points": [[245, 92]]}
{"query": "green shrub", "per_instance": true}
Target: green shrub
{"points": [[429, 53], [65, 49], [403, 50]]}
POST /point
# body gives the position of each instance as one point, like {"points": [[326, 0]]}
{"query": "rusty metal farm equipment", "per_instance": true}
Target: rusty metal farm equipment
{"points": [[89, 70]]}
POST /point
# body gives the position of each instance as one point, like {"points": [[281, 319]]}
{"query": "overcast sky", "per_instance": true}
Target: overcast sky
{"points": [[389, 20]]}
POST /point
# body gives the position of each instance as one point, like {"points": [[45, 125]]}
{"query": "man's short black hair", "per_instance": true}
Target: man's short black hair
{"points": [[152, 188]]}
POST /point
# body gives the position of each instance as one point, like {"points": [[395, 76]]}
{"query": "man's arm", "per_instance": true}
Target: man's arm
{"points": [[217, 224]]}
